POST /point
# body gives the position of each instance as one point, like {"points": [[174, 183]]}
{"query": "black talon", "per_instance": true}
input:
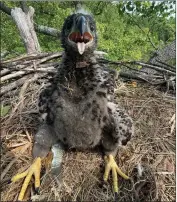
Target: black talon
{"points": [[37, 190], [116, 197], [9, 181]]}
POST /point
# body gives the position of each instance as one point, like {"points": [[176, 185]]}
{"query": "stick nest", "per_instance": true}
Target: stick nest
{"points": [[149, 158]]}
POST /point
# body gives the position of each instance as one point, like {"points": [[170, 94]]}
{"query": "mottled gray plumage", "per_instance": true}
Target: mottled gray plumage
{"points": [[79, 108]]}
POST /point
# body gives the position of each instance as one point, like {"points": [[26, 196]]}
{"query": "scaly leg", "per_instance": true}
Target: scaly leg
{"points": [[43, 141], [111, 165], [35, 170]]}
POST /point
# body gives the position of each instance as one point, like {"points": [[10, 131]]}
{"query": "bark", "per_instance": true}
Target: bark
{"points": [[29, 67], [24, 22], [22, 58], [47, 30], [16, 71], [38, 28], [20, 82]]}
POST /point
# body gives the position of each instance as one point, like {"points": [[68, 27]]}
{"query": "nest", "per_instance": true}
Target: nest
{"points": [[149, 158]]}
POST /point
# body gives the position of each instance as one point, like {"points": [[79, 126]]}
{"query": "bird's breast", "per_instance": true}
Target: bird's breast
{"points": [[79, 124]]}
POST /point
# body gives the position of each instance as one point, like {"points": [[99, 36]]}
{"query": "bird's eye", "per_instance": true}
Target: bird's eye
{"points": [[68, 25]]}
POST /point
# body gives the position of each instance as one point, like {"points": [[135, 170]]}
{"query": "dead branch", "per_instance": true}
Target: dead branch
{"points": [[24, 22], [25, 67], [156, 68], [13, 75], [38, 28], [47, 30], [8, 168], [29, 68], [167, 66], [19, 83], [27, 57]]}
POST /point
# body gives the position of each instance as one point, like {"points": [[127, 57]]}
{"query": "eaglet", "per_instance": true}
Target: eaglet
{"points": [[79, 108]]}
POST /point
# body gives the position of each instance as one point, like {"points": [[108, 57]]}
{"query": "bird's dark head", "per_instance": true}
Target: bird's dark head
{"points": [[79, 34]]}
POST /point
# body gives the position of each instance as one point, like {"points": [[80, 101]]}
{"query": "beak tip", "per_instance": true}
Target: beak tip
{"points": [[81, 52], [81, 48]]}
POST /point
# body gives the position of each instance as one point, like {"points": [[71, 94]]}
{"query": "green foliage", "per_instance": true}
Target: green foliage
{"points": [[4, 110], [126, 31]]}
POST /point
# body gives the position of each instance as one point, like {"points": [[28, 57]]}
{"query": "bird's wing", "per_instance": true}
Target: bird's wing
{"points": [[124, 128], [110, 78], [45, 136], [44, 102], [123, 123]]}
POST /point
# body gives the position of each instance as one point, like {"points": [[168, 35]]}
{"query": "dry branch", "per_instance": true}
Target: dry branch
{"points": [[16, 71], [19, 82], [167, 66], [18, 67], [21, 70], [163, 70], [47, 30], [7, 168], [142, 64], [27, 57], [38, 28], [24, 22]]}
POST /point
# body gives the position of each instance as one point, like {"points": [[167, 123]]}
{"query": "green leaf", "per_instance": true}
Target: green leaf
{"points": [[4, 110]]}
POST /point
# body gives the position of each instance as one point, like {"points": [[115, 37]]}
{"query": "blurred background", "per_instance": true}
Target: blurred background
{"points": [[126, 31]]}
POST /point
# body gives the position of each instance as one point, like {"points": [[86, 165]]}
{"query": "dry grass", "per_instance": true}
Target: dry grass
{"points": [[151, 149]]}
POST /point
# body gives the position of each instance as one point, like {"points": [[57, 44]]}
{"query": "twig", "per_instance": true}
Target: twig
{"points": [[28, 136], [34, 56], [171, 68], [26, 57], [4, 72], [19, 73], [155, 68], [47, 30], [27, 71], [23, 66], [24, 87], [129, 75], [18, 63], [7, 168], [18, 83], [50, 69], [13, 75]]}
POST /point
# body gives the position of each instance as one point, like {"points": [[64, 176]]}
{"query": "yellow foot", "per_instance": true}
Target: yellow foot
{"points": [[111, 165], [35, 170]]}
